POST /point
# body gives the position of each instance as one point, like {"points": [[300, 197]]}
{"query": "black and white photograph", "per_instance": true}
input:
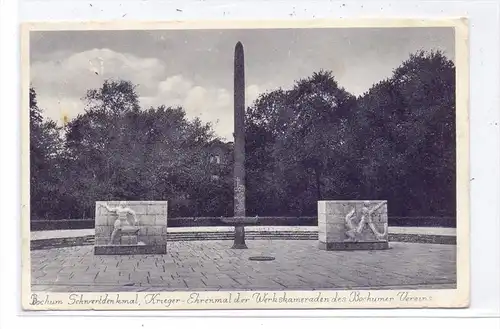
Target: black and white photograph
{"points": [[231, 167]]}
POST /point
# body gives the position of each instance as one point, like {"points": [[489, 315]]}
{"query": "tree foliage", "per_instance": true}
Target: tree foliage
{"points": [[120, 152], [318, 142], [314, 141], [296, 143], [46, 163], [409, 128]]}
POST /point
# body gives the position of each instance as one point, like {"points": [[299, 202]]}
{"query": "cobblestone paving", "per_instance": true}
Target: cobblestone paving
{"points": [[212, 265]]}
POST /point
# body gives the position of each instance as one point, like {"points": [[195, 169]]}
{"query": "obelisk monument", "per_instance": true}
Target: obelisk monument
{"points": [[239, 147]]}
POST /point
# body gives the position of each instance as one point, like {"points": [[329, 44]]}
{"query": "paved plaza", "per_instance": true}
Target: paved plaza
{"points": [[212, 265]]}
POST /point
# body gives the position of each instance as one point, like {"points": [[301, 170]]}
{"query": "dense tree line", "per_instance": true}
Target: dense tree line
{"points": [[117, 151], [396, 142], [315, 141]]}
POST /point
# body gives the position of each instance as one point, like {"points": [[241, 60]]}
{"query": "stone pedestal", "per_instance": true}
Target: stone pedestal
{"points": [[129, 236], [148, 236], [353, 225]]}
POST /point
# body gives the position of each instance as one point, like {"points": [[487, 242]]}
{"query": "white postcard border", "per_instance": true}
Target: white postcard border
{"points": [[439, 298]]}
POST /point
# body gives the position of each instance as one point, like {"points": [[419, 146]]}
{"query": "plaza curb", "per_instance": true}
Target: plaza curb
{"points": [[269, 235]]}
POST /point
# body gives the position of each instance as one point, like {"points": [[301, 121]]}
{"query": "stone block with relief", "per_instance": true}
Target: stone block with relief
{"points": [[353, 225], [130, 227]]}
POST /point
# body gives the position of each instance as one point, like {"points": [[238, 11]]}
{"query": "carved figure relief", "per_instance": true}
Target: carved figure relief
{"points": [[353, 232], [123, 222]]}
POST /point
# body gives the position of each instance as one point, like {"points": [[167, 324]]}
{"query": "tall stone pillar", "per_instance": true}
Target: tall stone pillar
{"points": [[239, 147]]}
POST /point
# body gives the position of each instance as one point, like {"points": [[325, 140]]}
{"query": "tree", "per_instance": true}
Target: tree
{"points": [[121, 152], [115, 96], [396, 142], [46, 169], [409, 157], [294, 140], [265, 121], [312, 142], [104, 147]]}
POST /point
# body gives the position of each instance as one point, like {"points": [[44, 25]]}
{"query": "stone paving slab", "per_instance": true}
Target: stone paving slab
{"points": [[446, 231], [212, 265]]}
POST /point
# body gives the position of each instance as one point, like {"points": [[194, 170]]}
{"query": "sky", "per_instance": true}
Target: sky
{"points": [[194, 68]]}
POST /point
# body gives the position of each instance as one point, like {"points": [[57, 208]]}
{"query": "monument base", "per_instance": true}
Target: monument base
{"points": [[239, 238], [239, 246], [130, 249], [366, 245]]}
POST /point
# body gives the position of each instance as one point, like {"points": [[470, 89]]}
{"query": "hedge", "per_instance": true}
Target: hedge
{"points": [[75, 224]]}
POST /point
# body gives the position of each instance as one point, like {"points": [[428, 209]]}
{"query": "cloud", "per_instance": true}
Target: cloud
{"points": [[75, 74], [58, 108], [210, 104], [252, 92], [196, 100], [175, 84], [61, 84]]}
